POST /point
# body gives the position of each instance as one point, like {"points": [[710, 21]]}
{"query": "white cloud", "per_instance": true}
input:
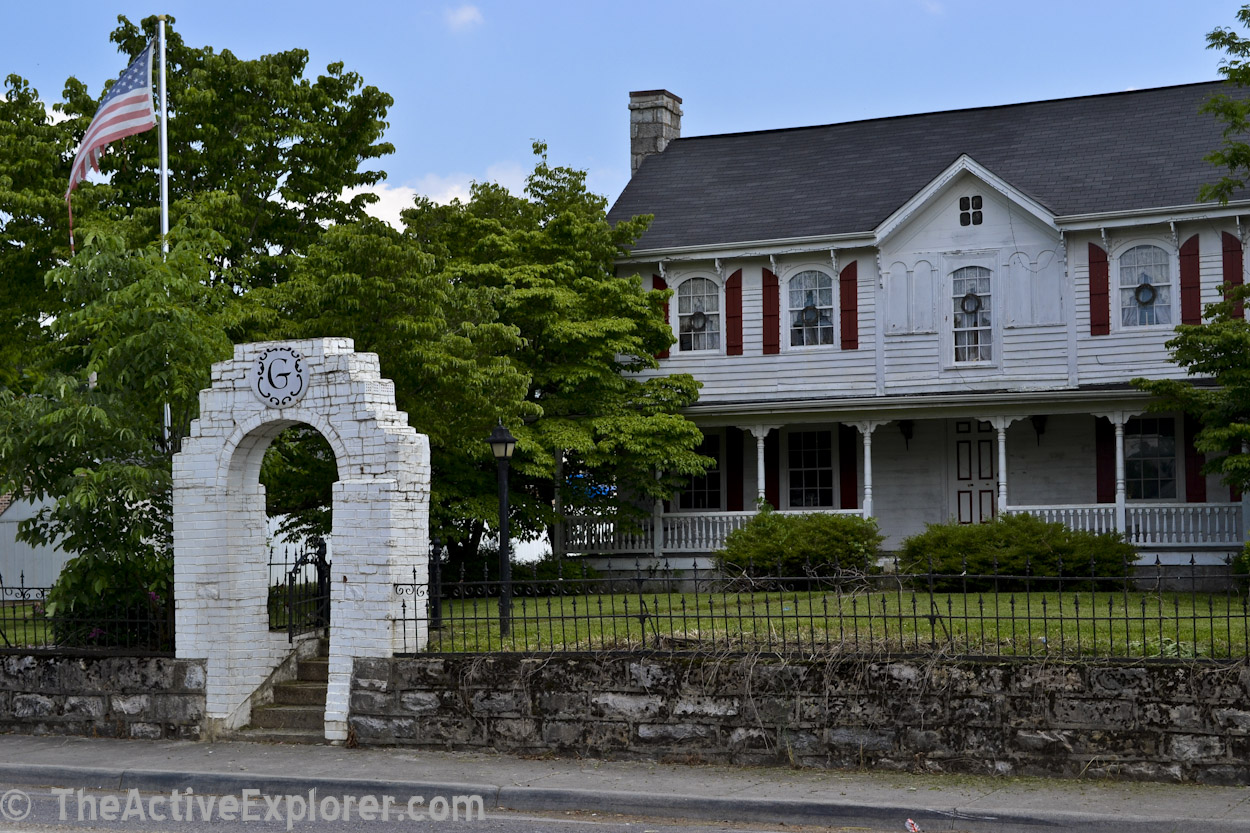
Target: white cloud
{"points": [[442, 189], [463, 17], [933, 7]]}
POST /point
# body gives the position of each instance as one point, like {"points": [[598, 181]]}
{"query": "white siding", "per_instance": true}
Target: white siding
{"points": [[40, 566]]}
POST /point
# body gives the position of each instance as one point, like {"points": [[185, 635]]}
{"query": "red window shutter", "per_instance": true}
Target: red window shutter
{"points": [[772, 462], [1099, 292], [659, 283], [733, 314], [1104, 459], [1233, 265], [733, 469], [848, 474], [772, 315], [1191, 283], [848, 292], [1195, 480]]}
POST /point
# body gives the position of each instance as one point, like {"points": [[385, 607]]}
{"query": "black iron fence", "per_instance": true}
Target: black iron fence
{"points": [[299, 588], [1173, 612], [30, 620]]}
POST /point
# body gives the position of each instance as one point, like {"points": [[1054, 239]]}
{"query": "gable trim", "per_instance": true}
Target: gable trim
{"points": [[964, 164]]}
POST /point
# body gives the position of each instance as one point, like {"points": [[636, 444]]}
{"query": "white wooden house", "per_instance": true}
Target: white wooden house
{"points": [[937, 316]]}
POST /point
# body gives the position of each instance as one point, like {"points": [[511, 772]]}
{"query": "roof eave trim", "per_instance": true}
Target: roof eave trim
{"points": [[1191, 211], [1058, 400], [964, 164], [752, 248]]}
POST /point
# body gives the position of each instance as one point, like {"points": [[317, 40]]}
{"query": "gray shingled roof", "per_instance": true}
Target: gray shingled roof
{"points": [[1121, 151]]}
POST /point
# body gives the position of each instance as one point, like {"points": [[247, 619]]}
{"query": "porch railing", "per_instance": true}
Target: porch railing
{"points": [[1098, 517], [680, 532], [1186, 523], [1162, 525]]}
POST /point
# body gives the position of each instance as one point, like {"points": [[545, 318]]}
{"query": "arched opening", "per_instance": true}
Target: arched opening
{"points": [[379, 506], [298, 473]]}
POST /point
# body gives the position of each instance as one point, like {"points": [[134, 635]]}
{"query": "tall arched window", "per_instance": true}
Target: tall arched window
{"points": [[973, 327], [1145, 287], [698, 315], [811, 309]]}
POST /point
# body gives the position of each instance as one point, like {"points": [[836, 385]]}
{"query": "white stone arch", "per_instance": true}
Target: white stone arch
{"points": [[381, 522]]}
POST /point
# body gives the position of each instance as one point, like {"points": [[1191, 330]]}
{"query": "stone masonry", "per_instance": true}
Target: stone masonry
{"points": [[1150, 722], [381, 516], [122, 697], [654, 121]]}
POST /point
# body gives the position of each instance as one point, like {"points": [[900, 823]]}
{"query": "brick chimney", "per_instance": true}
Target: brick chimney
{"points": [[654, 121]]}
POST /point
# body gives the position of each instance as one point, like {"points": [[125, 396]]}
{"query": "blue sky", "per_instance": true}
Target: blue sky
{"points": [[476, 82]]}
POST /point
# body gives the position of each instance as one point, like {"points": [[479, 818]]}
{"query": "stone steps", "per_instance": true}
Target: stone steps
{"points": [[297, 713]]}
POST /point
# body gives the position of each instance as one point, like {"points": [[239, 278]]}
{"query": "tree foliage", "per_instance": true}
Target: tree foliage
{"points": [[546, 262], [139, 332], [503, 307], [1233, 111], [1217, 350]]}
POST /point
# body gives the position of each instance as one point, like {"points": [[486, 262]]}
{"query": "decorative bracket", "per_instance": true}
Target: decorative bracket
{"points": [[663, 271], [720, 270], [833, 258], [1176, 240], [1106, 241]]}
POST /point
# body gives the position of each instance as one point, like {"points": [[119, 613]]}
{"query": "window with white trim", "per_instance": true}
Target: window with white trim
{"points": [[811, 309], [698, 315], [810, 468], [1145, 287], [703, 491], [973, 323], [1150, 458]]}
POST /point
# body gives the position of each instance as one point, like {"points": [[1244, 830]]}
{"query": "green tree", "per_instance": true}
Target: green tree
{"points": [[1234, 112], [139, 332], [438, 342], [1217, 349], [145, 331], [546, 262]]}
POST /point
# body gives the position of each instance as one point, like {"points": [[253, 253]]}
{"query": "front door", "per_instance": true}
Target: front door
{"points": [[974, 479]]}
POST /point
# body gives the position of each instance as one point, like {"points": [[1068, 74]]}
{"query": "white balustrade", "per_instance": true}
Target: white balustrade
{"points": [[687, 532], [1184, 523], [1097, 517], [1150, 524]]}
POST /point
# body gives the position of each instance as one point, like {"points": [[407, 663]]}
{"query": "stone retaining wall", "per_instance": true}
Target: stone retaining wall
{"points": [[125, 697], [1155, 722]]}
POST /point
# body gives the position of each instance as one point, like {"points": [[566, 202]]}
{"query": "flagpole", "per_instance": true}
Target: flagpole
{"points": [[164, 148], [164, 194]]}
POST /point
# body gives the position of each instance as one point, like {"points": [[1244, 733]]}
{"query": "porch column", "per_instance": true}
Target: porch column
{"points": [[657, 530], [1117, 419], [865, 429], [1121, 519], [1000, 424], [760, 432], [1245, 503]]}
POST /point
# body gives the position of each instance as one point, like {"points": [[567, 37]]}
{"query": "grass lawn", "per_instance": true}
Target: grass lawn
{"points": [[23, 625], [1086, 624]]}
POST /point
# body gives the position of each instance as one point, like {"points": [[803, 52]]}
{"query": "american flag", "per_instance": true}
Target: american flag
{"points": [[125, 111]]}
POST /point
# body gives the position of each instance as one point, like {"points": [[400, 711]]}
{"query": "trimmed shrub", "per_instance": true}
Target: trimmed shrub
{"points": [[1015, 547], [125, 602], [810, 544]]}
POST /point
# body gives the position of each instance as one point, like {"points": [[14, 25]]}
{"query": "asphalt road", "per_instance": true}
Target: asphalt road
{"points": [[25, 809]]}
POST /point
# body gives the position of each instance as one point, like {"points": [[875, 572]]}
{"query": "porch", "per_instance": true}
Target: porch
{"points": [[1159, 528], [1109, 471]]}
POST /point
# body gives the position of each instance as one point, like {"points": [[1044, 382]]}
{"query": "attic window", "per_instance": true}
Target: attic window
{"points": [[970, 211]]}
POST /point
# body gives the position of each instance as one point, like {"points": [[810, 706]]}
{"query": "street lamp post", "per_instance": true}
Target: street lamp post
{"points": [[502, 444], [436, 583]]}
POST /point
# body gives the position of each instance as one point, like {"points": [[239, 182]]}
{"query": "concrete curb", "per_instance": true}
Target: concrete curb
{"points": [[539, 799]]}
